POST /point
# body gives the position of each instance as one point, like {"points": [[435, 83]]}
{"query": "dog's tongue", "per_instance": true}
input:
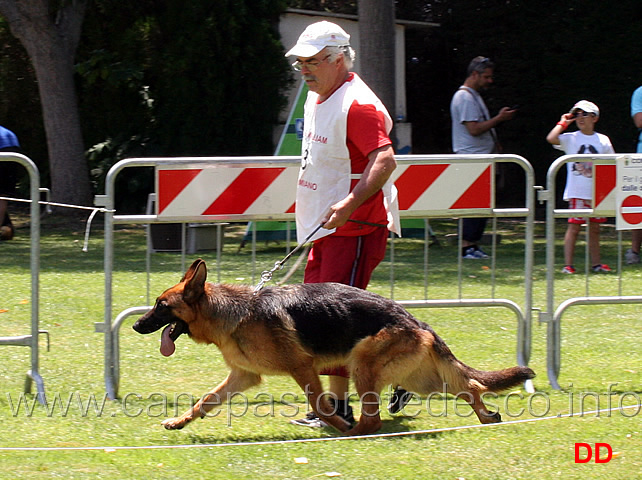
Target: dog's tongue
{"points": [[167, 347]]}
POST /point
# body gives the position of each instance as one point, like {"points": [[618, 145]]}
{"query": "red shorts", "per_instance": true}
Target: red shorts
{"points": [[347, 260], [574, 203]]}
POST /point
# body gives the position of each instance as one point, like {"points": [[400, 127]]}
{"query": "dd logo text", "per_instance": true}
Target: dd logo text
{"points": [[584, 453]]}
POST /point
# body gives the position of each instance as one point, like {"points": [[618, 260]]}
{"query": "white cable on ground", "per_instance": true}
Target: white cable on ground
{"points": [[316, 440]]}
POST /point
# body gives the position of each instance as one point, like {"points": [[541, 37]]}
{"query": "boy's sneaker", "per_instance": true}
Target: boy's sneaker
{"points": [[474, 253], [601, 268], [399, 399], [568, 269], [631, 257]]}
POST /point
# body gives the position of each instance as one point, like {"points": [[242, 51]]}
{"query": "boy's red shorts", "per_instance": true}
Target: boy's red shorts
{"points": [[575, 203]]}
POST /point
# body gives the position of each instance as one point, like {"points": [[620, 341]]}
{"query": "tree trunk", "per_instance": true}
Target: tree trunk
{"points": [[376, 54], [51, 40]]}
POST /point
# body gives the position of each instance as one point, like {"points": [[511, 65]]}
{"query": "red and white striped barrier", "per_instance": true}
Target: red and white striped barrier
{"points": [[255, 191], [225, 191], [604, 180], [438, 187]]}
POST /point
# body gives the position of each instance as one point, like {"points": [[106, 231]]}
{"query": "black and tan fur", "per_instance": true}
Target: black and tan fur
{"points": [[298, 329]]}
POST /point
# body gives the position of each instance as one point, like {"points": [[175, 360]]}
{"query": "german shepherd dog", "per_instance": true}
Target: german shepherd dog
{"points": [[298, 329]]}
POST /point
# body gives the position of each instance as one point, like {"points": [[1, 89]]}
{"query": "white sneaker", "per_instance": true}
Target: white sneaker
{"points": [[310, 420], [631, 257]]}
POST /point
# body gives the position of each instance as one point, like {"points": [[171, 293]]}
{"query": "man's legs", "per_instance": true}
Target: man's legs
{"points": [[8, 179], [472, 232], [351, 261], [6, 227]]}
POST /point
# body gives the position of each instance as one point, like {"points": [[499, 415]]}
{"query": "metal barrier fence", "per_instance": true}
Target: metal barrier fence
{"points": [[604, 184], [211, 190], [31, 340], [421, 196]]}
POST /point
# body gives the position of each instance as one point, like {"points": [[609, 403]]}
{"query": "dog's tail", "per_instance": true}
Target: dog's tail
{"points": [[500, 380]]}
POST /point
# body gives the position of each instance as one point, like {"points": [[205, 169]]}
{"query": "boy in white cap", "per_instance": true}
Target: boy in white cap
{"points": [[579, 180], [344, 181]]}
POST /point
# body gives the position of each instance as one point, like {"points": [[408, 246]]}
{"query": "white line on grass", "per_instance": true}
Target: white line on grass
{"points": [[326, 439]]}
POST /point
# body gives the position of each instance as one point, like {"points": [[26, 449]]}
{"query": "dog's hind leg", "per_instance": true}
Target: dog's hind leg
{"points": [[237, 381], [309, 381], [370, 419], [476, 403]]}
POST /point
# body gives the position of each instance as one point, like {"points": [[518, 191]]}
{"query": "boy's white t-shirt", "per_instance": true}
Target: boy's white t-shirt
{"points": [[579, 179]]}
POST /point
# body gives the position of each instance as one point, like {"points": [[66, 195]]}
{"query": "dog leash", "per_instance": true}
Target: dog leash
{"points": [[266, 275]]}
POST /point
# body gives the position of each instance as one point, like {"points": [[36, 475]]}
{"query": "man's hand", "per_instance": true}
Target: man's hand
{"points": [[338, 215], [505, 114], [380, 166]]}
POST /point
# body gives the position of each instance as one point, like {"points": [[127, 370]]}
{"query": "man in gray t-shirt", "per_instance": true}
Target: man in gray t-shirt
{"points": [[473, 131]]}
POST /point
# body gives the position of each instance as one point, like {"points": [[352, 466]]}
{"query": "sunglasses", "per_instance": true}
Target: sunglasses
{"points": [[311, 65], [482, 65], [580, 113]]}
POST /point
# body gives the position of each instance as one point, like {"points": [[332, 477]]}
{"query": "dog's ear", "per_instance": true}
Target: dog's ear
{"points": [[192, 269], [195, 281]]}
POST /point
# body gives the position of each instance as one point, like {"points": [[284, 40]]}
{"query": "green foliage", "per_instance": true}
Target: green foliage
{"points": [[187, 77], [179, 79], [218, 79]]}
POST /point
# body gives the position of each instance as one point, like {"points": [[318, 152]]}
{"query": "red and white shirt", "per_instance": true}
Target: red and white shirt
{"points": [[338, 135]]}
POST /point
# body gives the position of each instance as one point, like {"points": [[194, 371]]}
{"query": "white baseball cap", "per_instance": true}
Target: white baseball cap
{"points": [[586, 106], [318, 36]]}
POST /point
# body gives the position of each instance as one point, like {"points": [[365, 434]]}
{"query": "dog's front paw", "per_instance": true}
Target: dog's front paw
{"points": [[174, 423]]}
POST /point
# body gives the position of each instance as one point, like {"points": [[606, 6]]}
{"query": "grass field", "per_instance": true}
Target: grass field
{"points": [[80, 434]]}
